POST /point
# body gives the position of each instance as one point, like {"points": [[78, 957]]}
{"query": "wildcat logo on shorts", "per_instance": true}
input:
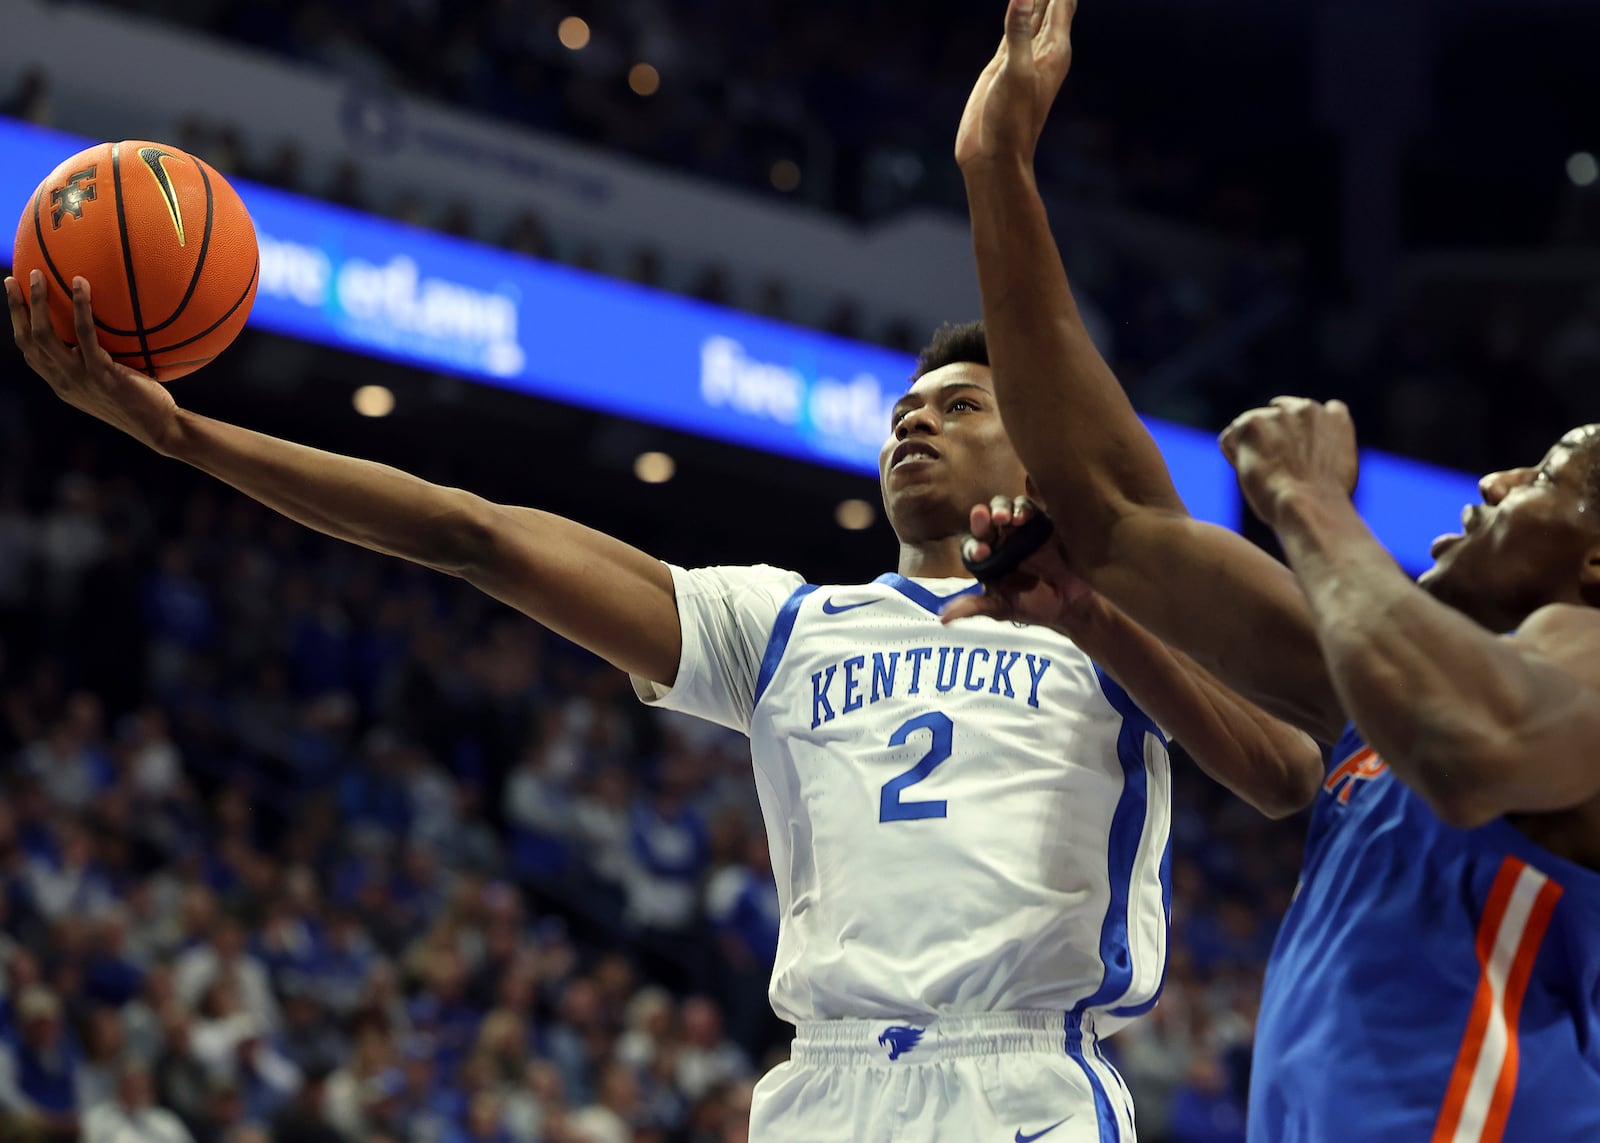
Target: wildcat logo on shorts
{"points": [[900, 1039]]}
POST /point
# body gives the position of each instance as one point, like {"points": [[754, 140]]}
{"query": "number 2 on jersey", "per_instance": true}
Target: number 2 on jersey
{"points": [[890, 807]]}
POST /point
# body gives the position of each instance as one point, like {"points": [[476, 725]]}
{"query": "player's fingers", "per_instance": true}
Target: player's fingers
{"points": [[1020, 28], [19, 311], [1228, 441], [83, 321], [975, 550], [1000, 511], [39, 307], [1022, 510], [972, 606], [1053, 21], [978, 522]]}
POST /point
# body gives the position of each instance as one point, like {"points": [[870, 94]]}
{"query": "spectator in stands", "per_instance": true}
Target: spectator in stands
{"points": [[616, 1110], [706, 1058], [225, 957], [38, 1071], [30, 99], [1206, 1109], [742, 904], [67, 882], [304, 1120], [670, 851], [133, 1117]]}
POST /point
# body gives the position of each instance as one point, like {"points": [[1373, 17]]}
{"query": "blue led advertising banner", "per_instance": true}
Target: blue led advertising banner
{"points": [[345, 279]]}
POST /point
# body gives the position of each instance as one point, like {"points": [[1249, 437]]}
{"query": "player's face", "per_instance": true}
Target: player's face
{"points": [[946, 452], [1533, 541]]}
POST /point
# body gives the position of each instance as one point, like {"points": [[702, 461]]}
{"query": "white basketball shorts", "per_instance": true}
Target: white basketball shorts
{"points": [[1002, 1077]]}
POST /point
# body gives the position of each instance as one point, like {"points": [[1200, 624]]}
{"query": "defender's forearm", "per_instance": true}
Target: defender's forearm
{"points": [[1267, 763], [1073, 426], [1431, 690]]}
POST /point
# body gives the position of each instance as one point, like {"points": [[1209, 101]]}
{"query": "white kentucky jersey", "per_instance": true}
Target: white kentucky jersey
{"points": [[964, 818]]}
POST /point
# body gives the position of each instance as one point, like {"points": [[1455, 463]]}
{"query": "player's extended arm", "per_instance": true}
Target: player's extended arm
{"points": [[1197, 587], [1262, 760], [1479, 725], [1265, 762], [597, 591]]}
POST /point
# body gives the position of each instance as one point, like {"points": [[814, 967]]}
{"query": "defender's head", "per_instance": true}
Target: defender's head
{"points": [[1535, 539], [946, 449]]}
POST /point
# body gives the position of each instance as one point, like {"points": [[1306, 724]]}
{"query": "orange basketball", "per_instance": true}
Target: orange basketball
{"points": [[166, 245]]}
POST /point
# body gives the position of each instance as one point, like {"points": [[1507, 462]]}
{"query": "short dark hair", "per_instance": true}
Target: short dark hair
{"points": [[953, 344]]}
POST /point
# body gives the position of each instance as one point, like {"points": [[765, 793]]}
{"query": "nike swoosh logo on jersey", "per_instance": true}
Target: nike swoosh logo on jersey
{"points": [[1021, 1138], [829, 607]]}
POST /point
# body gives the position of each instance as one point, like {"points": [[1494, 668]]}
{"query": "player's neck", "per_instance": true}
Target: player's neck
{"points": [[933, 559]]}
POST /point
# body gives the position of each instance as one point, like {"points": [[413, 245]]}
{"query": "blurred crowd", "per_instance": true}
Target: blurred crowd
{"points": [[841, 107], [857, 103], [299, 843]]}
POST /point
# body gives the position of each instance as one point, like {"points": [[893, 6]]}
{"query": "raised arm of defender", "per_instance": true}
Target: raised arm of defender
{"points": [[1199, 588], [597, 591]]}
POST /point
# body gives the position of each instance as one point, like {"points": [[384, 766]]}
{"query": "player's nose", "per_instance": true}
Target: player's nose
{"points": [[1497, 485], [920, 419]]}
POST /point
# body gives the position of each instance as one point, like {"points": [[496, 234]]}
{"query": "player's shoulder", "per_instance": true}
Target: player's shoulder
{"points": [[737, 578], [1567, 635]]}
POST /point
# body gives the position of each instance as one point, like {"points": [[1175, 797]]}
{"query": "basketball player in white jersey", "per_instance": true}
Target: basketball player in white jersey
{"points": [[968, 824]]}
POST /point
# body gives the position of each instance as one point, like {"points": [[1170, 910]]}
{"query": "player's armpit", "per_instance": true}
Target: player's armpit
{"points": [[604, 595], [1228, 605]]}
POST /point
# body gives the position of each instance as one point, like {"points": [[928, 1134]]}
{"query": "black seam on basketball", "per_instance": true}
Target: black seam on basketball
{"points": [[212, 328], [172, 364], [205, 242], [127, 256], [50, 264]]}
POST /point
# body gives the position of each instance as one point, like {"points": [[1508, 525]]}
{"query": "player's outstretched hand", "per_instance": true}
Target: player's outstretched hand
{"points": [[1044, 590], [1011, 101], [84, 375]]}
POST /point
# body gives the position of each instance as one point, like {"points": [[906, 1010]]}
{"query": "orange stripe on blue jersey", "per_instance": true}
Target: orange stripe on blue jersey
{"points": [[1515, 919], [1429, 984]]}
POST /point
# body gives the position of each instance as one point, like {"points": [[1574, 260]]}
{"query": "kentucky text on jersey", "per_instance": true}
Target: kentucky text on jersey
{"points": [[845, 687]]}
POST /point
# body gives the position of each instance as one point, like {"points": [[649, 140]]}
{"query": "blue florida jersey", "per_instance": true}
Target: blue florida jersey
{"points": [[1429, 984], [962, 819]]}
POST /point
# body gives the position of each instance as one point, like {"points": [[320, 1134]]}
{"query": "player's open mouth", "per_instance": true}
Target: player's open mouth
{"points": [[1471, 518], [909, 451]]}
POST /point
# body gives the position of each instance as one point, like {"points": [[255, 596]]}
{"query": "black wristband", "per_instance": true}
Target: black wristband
{"points": [[1013, 551]]}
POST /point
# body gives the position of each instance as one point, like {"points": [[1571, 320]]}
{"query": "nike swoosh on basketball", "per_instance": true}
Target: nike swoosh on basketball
{"points": [[829, 607], [1021, 1138]]}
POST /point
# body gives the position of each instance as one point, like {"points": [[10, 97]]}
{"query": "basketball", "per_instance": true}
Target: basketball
{"points": [[166, 245]]}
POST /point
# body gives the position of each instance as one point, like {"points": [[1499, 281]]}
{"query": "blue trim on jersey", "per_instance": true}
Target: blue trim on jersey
{"points": [[778, 641], [1109, 1131], [1127, 830], [1167, 908], [920, 595]]}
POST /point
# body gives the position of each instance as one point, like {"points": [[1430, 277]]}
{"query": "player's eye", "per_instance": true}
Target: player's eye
{"points": [[963, 403]]}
